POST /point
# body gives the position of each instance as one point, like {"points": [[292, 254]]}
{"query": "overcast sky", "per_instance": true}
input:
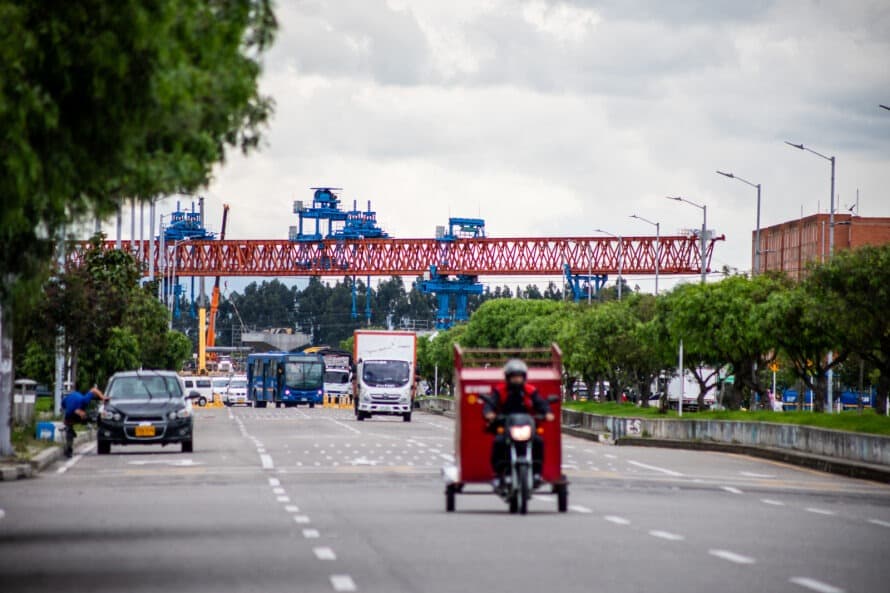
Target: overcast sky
{"points": [[554, 118]]}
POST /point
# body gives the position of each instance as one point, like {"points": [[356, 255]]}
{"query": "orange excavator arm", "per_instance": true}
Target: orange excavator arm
{"points": [[214, 297]]}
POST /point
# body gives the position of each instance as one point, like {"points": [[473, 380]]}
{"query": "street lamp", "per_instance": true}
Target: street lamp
{"points": [[757, 269], [833, 162], [620, 256], [704, 232], [657, 226]]}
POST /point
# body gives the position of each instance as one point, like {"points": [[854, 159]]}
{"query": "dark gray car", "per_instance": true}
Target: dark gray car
{"points": [[145, 408]]}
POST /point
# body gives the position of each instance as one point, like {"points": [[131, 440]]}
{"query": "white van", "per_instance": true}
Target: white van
{"points": [[202, 385]]}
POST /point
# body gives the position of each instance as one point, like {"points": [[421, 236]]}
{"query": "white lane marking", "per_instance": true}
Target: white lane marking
{"points": [[267, 461], [77, 457], [731, 489], [260, 450], [278, 490], [274, 482], [731, 556], [668, 472], [343, 582], [324, 553], [617, 520], [283, 499], [819, 511], [610, 456], [879, 522], [292, 508], [346, 426], [756, 475], [302, 519], [2, 513], [447, 457], [775, 503], [579, 509], [814, 585], [674, 537], [310, 533], [544, 497]]}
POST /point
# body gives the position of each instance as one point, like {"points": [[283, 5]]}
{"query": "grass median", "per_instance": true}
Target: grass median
{"points": [[851, 420]]}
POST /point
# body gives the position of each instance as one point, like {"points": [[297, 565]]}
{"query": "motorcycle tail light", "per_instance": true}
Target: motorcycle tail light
{"points": [[540, 430], [500, 430]]}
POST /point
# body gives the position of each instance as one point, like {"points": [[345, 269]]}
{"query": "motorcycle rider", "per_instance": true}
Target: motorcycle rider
{"points": [[75, 406], [515, 396]]}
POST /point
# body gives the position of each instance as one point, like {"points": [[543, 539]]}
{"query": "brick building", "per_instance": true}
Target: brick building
{"points": [[791, 245]]}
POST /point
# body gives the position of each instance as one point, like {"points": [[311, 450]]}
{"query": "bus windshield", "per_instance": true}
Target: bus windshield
{"points": [[385, 373], [303, 374]]}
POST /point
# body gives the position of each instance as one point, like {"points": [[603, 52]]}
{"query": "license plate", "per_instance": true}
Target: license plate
{"points": [[145, 431]]}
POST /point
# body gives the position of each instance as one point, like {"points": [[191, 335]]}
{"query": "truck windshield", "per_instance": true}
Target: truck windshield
{"points": [[385, 373], [336, 377], [303, 374]]}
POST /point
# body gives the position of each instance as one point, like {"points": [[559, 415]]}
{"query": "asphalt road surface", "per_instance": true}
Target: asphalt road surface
{"points": [[299, 500]]}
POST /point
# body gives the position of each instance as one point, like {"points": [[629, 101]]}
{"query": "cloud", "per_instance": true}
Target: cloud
{"points": [[558, 117]]}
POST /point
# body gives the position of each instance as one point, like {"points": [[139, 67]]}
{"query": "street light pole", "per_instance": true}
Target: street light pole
{"points": [[620, 256], [657, 226], [757, 268], [589, 274], [833, 161], [704, 232]]}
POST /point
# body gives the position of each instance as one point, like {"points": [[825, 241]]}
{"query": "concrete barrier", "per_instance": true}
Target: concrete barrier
{"points": [[836, 444], [436, 405]]}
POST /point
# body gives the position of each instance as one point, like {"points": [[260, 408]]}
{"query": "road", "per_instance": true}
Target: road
{"points": [[298, 500]]}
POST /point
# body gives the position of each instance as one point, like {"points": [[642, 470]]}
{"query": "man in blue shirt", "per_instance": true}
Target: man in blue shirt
{"points": [[74, 406]]}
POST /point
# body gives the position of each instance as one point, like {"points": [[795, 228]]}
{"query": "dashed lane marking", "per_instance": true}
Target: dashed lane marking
{"points": [[266, 460], [756, 475], [2, 513], [283, 499], [819, 511], [274, 482], [731, 489], [301, 519], [580, 509], [775, 503], [292, 508], [814, 585], [668, 472], [343, 582], [879, 522], [324, 553], [673, 537], [346, 426], [617, 520], [732, 556], [278, 490]]}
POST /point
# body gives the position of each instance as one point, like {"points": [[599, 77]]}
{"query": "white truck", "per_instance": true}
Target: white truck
{"points": [[337, 373], [385, 364]]}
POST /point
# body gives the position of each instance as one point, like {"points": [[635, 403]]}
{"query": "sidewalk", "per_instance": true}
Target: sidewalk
{"points": [[20, 469]]}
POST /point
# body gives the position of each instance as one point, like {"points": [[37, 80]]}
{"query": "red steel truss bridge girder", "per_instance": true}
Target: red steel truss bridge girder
{"points": [[490, 256]]}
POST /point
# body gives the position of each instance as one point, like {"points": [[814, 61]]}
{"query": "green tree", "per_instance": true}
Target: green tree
{"points": [[178, 349], [857, 283], [101, 101]]}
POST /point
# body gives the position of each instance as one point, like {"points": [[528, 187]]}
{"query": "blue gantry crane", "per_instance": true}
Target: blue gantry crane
{"points": [[582, 284], [341, 225], [459, 287], [182, 226]]}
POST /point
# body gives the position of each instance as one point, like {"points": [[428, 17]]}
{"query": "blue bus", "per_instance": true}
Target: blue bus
{"points": [[285, 379]]}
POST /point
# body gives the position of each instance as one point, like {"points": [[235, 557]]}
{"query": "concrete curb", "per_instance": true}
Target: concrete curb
{"points": [[850, 469], [19, 471], [52, 454]]}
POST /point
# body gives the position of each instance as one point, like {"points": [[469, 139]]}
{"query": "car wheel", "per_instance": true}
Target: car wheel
{"points": [[449, 498], [202, 401], [103, 447], [188, 446], [406, 417], [562, 499], [311, 405], [360, 416]]}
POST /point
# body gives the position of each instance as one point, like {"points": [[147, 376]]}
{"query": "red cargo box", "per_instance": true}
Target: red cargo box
{"points": [[477, 373]]}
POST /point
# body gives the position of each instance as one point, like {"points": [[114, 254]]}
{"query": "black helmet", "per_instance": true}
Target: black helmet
{"points": [[515, 367]]}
